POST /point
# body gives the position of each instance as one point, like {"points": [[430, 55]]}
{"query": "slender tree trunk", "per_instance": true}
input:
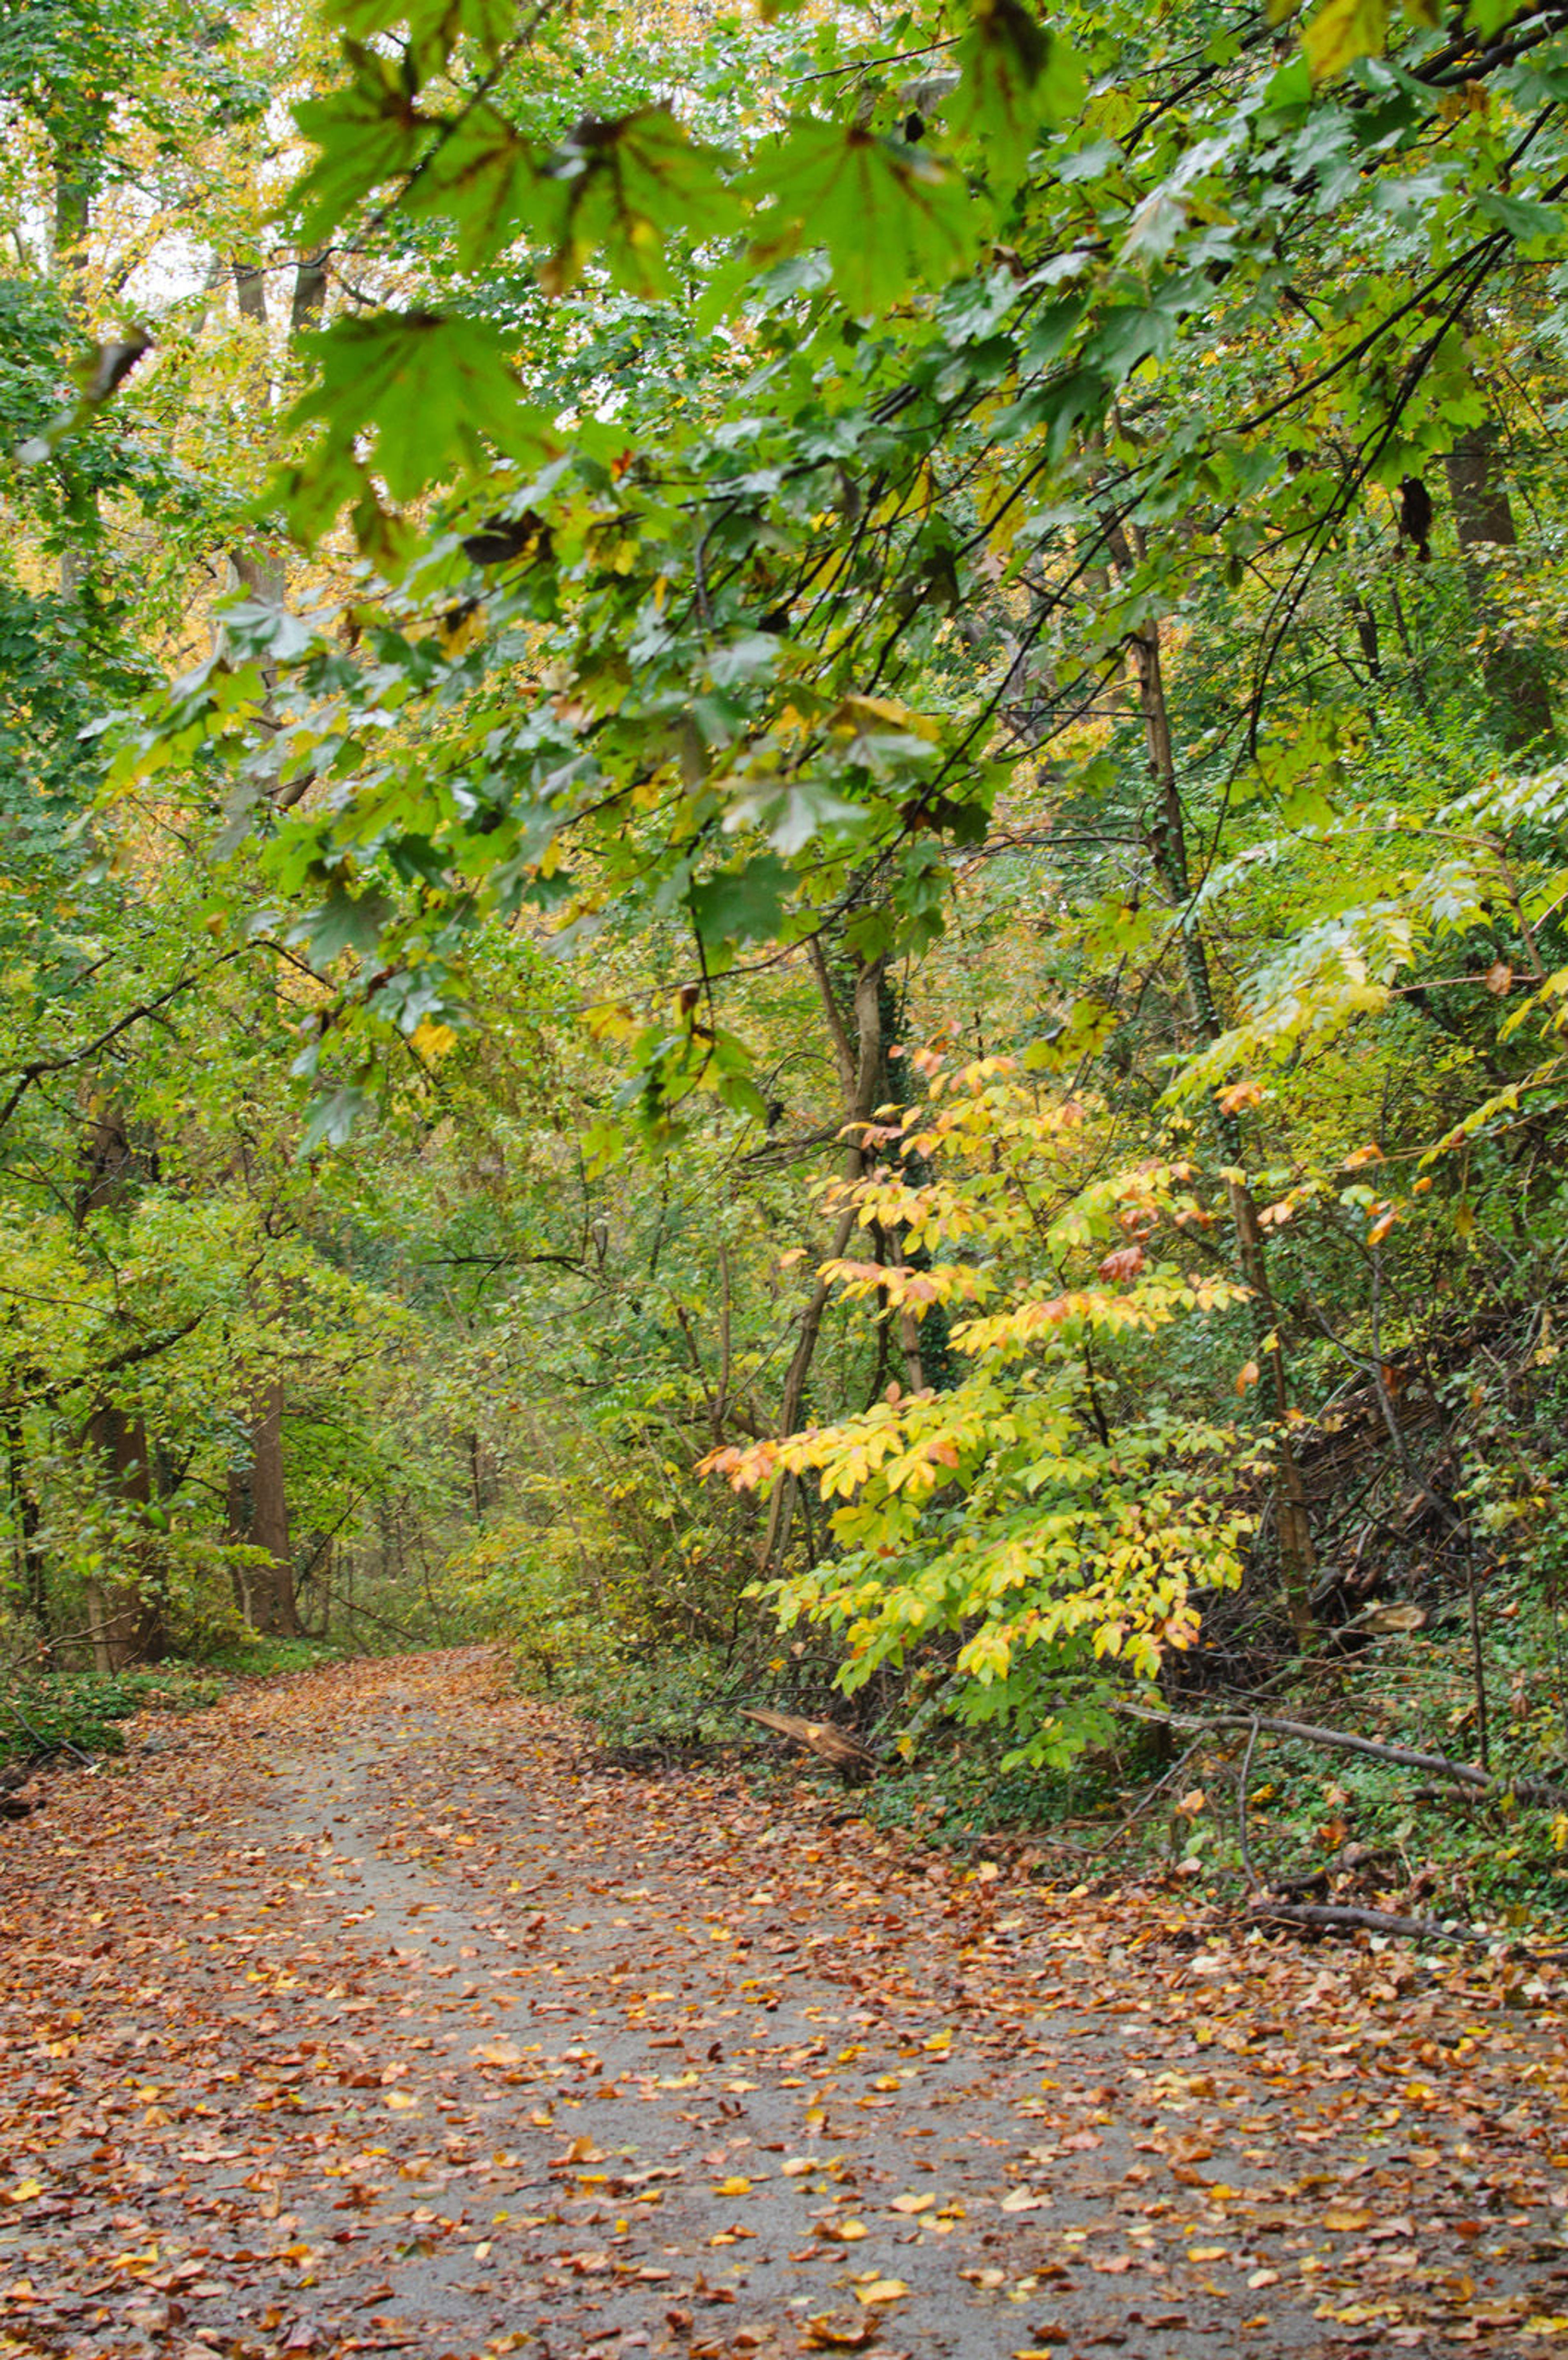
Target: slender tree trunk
{"points": [[75, 179], [860, 1069], [31, 1581], [125, 1609], [1484, 519], [265, 576], [1168, 841]]}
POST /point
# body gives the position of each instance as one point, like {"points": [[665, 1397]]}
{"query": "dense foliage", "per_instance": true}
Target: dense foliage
{"points": [[875, 811]]}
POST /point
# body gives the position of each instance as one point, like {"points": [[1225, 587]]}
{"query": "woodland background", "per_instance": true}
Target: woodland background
{"points": [[783, 883]]}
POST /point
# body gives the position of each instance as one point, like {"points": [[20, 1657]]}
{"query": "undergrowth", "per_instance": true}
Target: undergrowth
{"points": [[46, 1713], [1321, 1826]]}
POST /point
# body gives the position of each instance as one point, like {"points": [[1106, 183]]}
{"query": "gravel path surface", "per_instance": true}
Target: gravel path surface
{"points": [[367, 2014]]}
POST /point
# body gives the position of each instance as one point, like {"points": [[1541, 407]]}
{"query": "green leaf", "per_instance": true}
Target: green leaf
{"points": [[1015, 75], [332, 1120], [1342, 31], [368, 133], [888, 213], [490, 186], [347, 924], [432, 27], [1523, 217], [435, 390], [740, 905], [629, 187]]}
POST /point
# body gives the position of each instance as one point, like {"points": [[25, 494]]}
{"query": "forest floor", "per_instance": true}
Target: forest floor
{"points": [[367, 2012]]}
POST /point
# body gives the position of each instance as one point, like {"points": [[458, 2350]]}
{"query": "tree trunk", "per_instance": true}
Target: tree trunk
{"points": [[1484, 519], [31, 1581], [258, 1514], [75, 179], [309, 291], [266, 576], [1168, 834], [860, 1069], [125, 1609], [250, 292]]}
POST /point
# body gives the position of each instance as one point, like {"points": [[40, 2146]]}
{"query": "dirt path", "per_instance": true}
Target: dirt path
{"points": [[365, 2014]]}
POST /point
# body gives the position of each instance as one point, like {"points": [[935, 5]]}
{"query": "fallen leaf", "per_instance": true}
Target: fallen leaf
{"points": [[837, 2332]]}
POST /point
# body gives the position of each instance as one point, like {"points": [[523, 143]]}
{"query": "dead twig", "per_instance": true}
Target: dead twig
{"points": [[1254, 1880], [1145, 1803]]}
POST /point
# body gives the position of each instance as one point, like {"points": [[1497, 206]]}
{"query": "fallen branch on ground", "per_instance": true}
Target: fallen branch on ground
{"points": [[832, 1745], [1339, 1741], [1334, 1917]]}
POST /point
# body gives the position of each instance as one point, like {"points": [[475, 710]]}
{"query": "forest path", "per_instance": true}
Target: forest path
{"points": [[367, 2014]]}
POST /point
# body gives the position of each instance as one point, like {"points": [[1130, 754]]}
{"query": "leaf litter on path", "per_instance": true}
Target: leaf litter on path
{"points": [[381, 2017]]}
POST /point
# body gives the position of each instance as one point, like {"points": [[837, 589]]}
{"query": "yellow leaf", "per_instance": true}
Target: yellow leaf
{"points": [[881, 2291], [432, 1041], [1342, 31], [825, 2333], [498, 2052]]}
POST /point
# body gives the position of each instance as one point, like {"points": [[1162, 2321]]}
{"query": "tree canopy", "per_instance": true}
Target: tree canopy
{"points": [[786, 843]]}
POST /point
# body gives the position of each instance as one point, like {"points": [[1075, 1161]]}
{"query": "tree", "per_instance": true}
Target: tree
{"points": [[787, 534]]}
